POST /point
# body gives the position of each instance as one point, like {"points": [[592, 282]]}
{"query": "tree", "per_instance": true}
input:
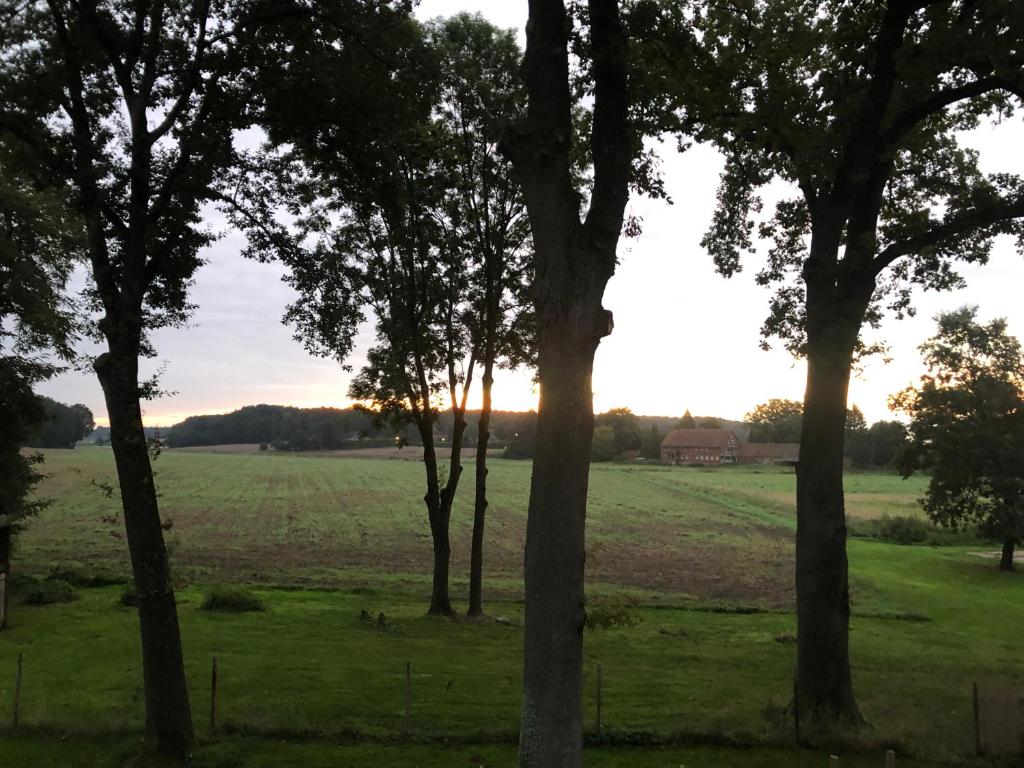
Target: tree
{"points": [[776, 421], [651, 446], [62, 425], [858, 106], [967, 427], [40, 241], [625, 428], [887, 440], [419, 226], [686, 422], [132, 108], [484, 220], [575, 257]]}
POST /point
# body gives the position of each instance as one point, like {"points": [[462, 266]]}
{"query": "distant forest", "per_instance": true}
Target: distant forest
{"points": [[303, 429]]}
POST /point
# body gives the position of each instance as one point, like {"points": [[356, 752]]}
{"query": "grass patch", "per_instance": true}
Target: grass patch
{"points": [[231, 600], [907, 529]]}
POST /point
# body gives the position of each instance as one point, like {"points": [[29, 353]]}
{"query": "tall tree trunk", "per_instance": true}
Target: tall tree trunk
{"points": [[552, 725], [822, 582], [476, 560], [574, 261], [1006, 561], [168, 716]]}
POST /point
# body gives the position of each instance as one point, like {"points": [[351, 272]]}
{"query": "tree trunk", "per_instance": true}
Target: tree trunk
{"points": [[168, 716], [476, 560], [440, 602], [5, 572], [552, 726], [822, 581], [1006, 561]]}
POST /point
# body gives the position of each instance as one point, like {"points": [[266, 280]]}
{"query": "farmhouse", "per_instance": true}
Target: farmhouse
{"points": [[768, 453], [699, 446], [711, 447]]}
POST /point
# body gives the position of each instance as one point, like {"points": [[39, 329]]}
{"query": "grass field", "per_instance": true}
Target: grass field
{"points": [[705, 554]]}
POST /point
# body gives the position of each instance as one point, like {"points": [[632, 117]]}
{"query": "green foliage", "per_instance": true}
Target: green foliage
{"points": [[620, 614], [625, 432], [46, 591], [64, 425], [967, 425], [686, 422], [230, 600], [776, 421], [603, 446], [860, 107], [651, 446]]}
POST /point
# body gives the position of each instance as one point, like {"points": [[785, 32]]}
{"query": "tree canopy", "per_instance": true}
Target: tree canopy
{"points": [[967, 427]]}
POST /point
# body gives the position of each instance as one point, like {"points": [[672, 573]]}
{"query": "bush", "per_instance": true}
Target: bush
{"points": [[128, 597], [609, 615], [906, 529], [231, 600], [47, 592]]}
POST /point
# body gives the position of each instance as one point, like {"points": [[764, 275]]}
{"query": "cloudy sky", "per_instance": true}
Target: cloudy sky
{"points": [[684, 337]]}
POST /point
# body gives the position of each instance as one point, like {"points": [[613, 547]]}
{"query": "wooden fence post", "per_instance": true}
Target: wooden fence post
{"points": [[408, 695], [600, 681], [17, 690], [796, 711], [890, 759], [977, 718], [213, 695]]}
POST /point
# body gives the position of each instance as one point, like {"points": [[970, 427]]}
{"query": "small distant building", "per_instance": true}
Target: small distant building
{"points": [[787, 454], [708, 447]]}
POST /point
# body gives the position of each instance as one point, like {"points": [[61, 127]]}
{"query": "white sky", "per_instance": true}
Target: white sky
{"points": [[684, 337]]}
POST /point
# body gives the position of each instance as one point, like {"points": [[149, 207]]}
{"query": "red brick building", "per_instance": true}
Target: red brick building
{"points": [[700, 446], [712, 447]]}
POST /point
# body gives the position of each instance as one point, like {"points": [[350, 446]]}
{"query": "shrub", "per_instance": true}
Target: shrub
{"points": [[47, 592], [128, 597], [231, 600], [619, 614]]}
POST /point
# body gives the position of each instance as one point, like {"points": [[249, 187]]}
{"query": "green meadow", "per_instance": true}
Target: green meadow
{"points": [[698, 562]]}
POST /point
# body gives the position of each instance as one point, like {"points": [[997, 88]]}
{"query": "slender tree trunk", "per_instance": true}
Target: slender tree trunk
{"points": [[1006, 561], [5, 572], [168, 716], [822, 581], [440, 601], [551, 733], [476, 561]]}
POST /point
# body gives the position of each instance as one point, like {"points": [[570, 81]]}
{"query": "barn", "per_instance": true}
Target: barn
{"points": [[707, 447]]}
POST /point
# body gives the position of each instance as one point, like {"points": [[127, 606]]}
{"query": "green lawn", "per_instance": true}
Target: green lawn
{"points": [[692, 546]]}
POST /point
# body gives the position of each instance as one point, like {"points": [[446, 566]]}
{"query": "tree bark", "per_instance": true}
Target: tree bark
{"points": [[5, 572], [1006, 561], [822, 582], [574, 261], [476, 560], [552, 725], [169, 729], [440, 601]]}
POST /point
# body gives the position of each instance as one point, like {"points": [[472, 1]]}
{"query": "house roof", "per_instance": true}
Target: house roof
{"points": [[780, 451], [699, 438]]}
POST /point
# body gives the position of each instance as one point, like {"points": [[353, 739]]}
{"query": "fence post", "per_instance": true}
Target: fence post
{"points": [[796, 711], [17, 690], [890, 759], [977, 718], [833, 761], [213, 695], [408, 695], [600, 681]]}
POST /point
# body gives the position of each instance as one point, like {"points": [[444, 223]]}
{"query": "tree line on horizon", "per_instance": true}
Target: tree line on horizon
{"points": [[468, 200]]}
